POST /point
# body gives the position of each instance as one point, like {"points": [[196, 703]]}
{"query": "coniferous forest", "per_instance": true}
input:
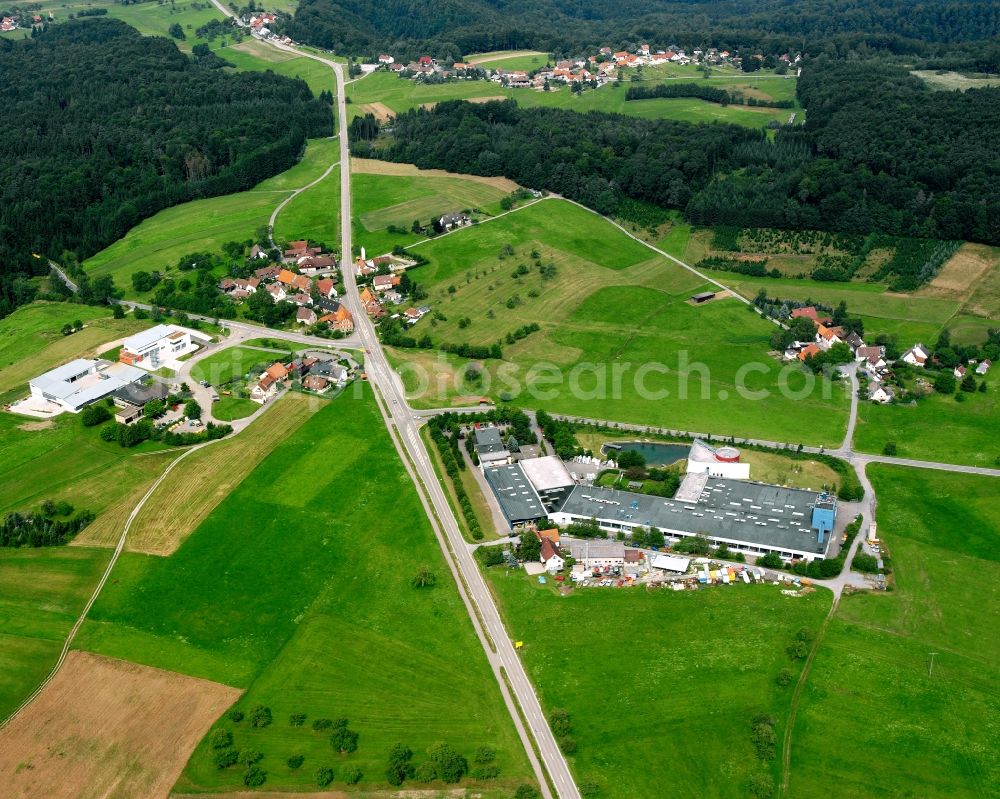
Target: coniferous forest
{"points": [[880, 152], [101, 127]]}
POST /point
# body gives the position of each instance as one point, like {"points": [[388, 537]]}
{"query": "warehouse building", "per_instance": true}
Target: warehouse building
{"points": [[518, 500], [550, 478], [75, 385], [750, 517]]}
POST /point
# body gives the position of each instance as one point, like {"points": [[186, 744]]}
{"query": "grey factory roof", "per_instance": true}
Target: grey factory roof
{"points": [[517, 498], [735, 510], [488, 440]]}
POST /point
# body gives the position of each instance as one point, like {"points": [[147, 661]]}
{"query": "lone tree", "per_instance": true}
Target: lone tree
{"points": [[424, 578], [192, 410]]}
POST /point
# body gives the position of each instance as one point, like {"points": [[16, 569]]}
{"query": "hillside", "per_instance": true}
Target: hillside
{"points": [[101, 127], [461, 26]]}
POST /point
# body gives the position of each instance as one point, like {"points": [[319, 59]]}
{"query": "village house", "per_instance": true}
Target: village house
{"points": [[267, 272], [550, 557], [316, 383], [316, 264], [276, 291], [984, 367], [809, 351], [300, 249], [289, 279], [916, 355], [300, 299], [392, 297], [826, 337], [452, 221], [266, 389], [809, 312], [385, 282], [257, 252], [339, 318], [305, 316], [959, 372], [386, 59], [326, 288], [879, 393]]}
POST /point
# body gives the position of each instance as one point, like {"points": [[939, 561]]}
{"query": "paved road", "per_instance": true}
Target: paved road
{"points": [[391, 399]]}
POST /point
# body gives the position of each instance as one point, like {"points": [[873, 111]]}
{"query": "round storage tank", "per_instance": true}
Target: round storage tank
{"points": [[727, 455]]}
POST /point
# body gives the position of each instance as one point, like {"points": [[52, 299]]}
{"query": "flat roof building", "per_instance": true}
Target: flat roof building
{"points": [[489, 446], [79, 383], [550, 478], [518, 501], [152, 348], [751, 517]]}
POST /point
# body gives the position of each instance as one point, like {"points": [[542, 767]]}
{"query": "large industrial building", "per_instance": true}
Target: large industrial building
{"points": [[75, 385], [750, 517], [754, 518]]}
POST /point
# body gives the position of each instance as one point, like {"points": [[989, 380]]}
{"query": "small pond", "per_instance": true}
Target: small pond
{"points": [[656, 454]]}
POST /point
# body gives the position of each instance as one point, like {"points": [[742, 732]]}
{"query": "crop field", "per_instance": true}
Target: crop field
{"points": [[690, 671], [400, 94], [383, 200], [42, 592], [104, 727], [205, 478], [950, 81], [874, 719], [312, 605], [31, 340], [613, 307], [937, 428], [314, 214]]}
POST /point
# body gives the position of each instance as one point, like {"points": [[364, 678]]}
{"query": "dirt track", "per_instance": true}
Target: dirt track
{"points": [[108, 728]]}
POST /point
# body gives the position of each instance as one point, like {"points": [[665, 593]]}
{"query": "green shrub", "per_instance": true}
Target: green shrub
{"points": [[235, 716], [221, 739], [485, 754], [426, 772], [525, 792], [322, 724], [254, 777], [260, 716], [224, 758], [324, 776], [353, 776], [250, 756], [93, 415], [297, 719], [295, 761], [488, 772], [560, 721], [451, 765], [568, 744]]}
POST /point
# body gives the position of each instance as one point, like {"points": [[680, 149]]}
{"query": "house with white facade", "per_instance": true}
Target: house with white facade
{"points": [[159, 346]]}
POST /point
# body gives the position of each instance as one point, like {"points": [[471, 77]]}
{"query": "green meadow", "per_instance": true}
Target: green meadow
{"points": [[613, 307], [297, 588], [314, 214], [159, 242], [226, 409], [42, 592], [661, 686], [379, 201], [874, 720], [400, 94], [937, 428], [230, 364]]}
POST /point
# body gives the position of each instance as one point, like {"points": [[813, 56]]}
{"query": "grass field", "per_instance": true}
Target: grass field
{"points": [[205, 478], [31, 340], [232, 363], [661, 686], [937, 428], [612, 308], [873, 720], [383, 200], [314, 214], [227, 409], [400, 95], [950, 81], [158, 243], [299, 591], [251, 55], [42, 591]]}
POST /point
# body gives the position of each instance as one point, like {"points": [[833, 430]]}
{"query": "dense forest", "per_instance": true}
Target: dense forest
{"points": [[880, 152], [451, 28], [101, 127]]}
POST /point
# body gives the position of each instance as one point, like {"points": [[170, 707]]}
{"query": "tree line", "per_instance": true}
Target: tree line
{"points": [[101, 127], [408, 28]]}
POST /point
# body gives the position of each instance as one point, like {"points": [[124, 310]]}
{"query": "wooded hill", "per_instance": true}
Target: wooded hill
{"points": [[101, 127], [450, 28], [881, 152]]}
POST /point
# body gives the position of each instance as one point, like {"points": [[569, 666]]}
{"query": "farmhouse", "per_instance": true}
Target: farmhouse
{"points": [[267, 272], [550, 557], [317, 264], [385, 282], [489, 447], [326, 288], [916, 355], [157, 346], [809, 351], [73, 386], [750, 517], [716, 461], [879, 393], [305, 316], [452, 221], [518, 501], [984, 367]]}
